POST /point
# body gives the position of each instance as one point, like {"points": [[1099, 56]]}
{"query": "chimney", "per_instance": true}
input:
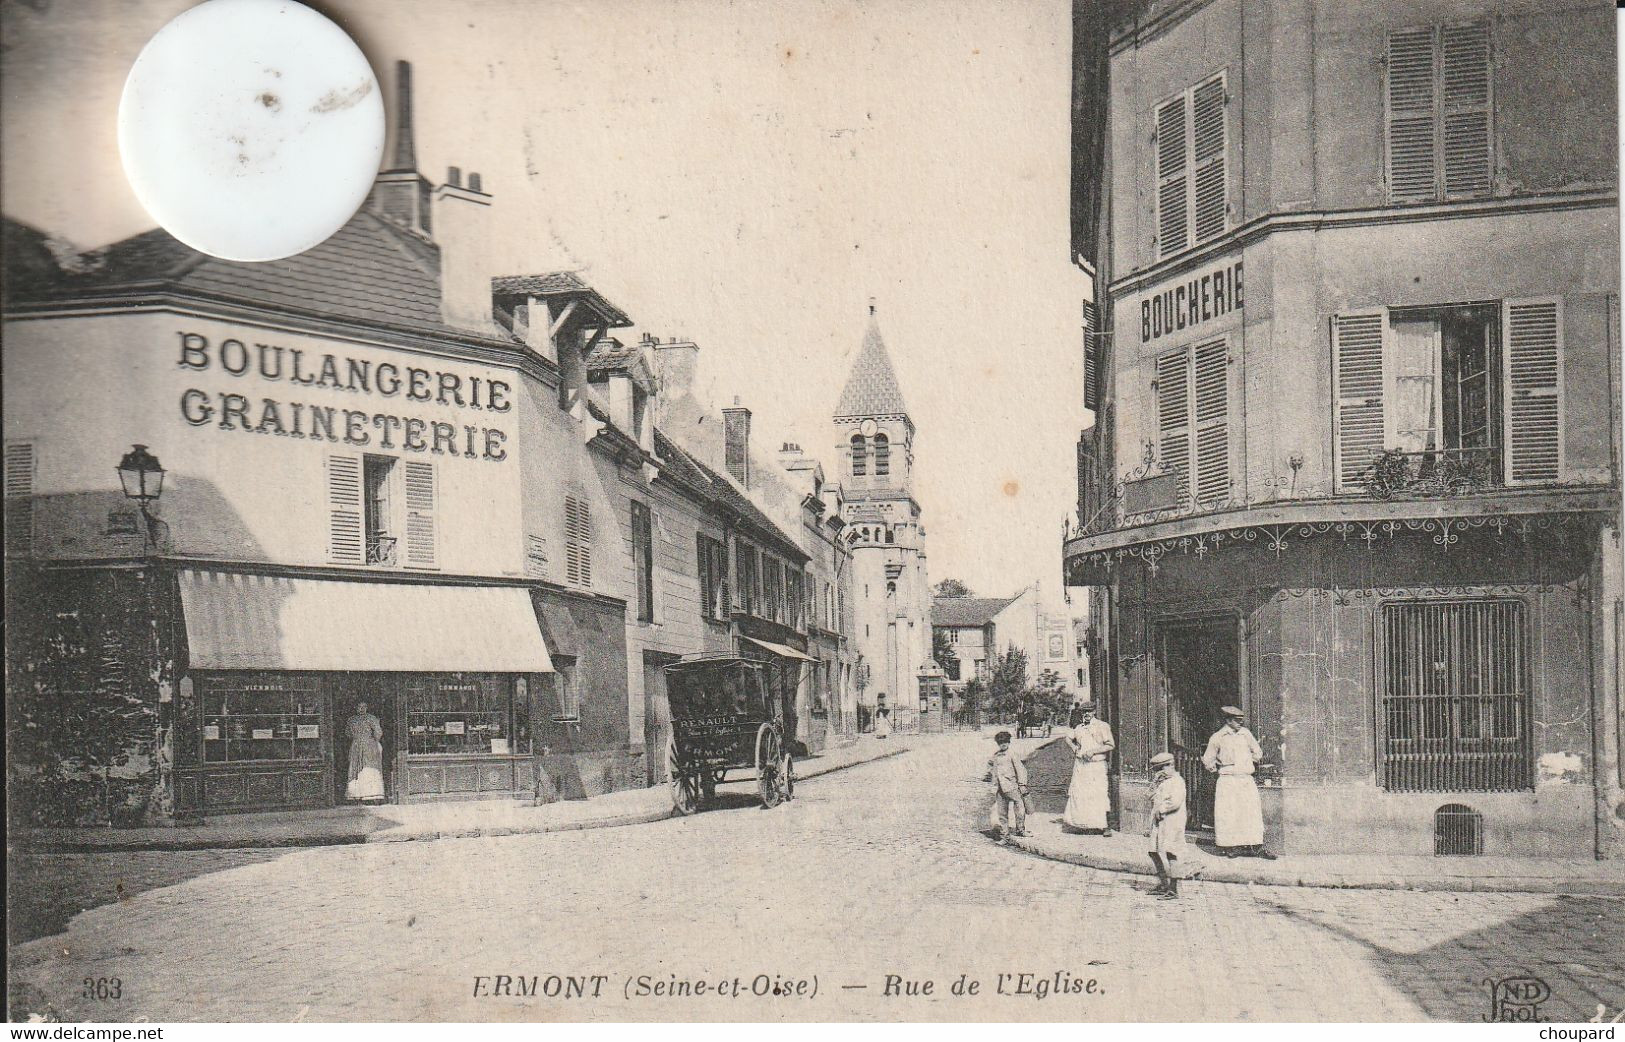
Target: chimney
{"points": [[462, 231], [736, 442], [675, 363], [401, 194]]}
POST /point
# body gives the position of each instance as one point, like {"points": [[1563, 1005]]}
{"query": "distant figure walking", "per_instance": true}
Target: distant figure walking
{"points": [[1167, 825], [1087, 801], [366, 756], [882, 717], [1009, 777], [1238, 816]]}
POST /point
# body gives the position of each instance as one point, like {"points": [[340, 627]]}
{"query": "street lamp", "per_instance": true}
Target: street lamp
{"points": [[143, 479]]}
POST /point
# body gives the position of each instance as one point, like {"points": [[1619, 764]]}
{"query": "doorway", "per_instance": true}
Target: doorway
{"points": [[1200, 660], [378, 690], [656, 716]]}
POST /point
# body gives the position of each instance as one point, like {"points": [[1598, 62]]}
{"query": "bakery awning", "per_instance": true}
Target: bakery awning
{"points": [[780, 649], [238, 621]]}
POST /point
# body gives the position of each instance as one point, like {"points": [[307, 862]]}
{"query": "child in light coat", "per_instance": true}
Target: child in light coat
{"points": [[1009, 777]]}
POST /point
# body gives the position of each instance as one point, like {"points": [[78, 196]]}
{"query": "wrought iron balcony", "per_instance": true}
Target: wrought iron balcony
{"points": [[381, 550], [1433, 472]]}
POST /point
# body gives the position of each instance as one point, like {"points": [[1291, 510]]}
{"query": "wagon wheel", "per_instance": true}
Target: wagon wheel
{"points": [[789, 776], [685, 784], [769, 766]]}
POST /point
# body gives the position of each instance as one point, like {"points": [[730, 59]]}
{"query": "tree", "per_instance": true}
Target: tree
{"points": [[942, 650], [951, 588], [1046, 698], [1007, 682], [971, 698]]}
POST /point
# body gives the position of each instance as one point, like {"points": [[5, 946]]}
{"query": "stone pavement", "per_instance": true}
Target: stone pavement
{"points": [[1126, 852], [394, 823], [872, 875]]}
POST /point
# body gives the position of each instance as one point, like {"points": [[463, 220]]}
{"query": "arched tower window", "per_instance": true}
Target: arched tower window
{"points": [[860, 456], [882, 455]]}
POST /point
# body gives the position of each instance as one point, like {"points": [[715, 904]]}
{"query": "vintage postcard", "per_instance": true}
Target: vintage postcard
{"points": [[822, 511]]}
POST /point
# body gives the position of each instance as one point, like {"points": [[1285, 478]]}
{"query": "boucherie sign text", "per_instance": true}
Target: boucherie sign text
{"points": [[385, 429], [1201, 298]]}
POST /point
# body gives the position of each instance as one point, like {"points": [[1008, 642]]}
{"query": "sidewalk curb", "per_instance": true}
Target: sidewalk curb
{"points": [[401, 834], [1207, 871]]}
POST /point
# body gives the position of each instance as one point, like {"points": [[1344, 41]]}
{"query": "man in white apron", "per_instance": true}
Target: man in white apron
{"points": [[1087, 801], [1167, 825], [1238, 816]]}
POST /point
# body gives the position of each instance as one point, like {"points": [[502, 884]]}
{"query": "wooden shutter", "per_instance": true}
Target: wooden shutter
{"points": [[420, 506], [1211, 401], [1173, 417], [19, 498], [1466, 133], [1360, 426], [345, 512], [578, 541], [1412, 108], [1173, 177], [1533, 335], [1209, 197]]}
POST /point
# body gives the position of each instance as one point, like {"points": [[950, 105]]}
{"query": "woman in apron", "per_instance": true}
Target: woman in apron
{"points": [[366, 757]]}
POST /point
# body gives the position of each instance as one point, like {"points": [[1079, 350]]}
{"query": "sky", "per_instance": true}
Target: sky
{"points": [[746, 175]]}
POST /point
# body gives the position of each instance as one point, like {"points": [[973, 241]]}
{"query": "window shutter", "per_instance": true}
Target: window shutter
{"points": [[578, 542], [1361, 423], [1466, 89], [19, 516], [1412, 108], [1173, 417], [1173, 178], [1212, 414], [1533, 336], [1209, 199], [420, 503], [345, 544]]}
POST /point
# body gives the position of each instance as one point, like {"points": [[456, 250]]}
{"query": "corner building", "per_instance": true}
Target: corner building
{"points": [[1355, 465]]}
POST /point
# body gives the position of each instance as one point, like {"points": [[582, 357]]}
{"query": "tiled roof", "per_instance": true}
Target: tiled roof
{"points": [[370, 270], [872, 388], [538, 285], [966, 611], [612, 356], [558, 284], [726, 494]]}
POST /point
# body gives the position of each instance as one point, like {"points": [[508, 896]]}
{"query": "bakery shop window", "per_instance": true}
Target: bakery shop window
{"points": [[259, 717], [462, 714]]}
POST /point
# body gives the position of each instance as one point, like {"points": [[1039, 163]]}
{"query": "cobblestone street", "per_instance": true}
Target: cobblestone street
{"points": [[876, 870]]}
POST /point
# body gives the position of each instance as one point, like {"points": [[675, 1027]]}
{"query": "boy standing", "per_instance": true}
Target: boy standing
{"points": [[1167, 825], [1009, 777]]}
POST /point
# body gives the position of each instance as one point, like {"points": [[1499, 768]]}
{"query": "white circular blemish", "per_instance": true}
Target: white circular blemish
{"points": [[251, 129]]}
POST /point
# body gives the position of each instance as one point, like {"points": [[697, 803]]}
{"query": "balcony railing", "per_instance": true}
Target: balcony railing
{"points": [[381, 550], [1434, 472], [1147, 494]]}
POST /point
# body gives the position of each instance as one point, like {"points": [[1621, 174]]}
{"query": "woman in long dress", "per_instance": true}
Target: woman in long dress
{"points": [[882, 718], [366, 756], [1087, 800]]}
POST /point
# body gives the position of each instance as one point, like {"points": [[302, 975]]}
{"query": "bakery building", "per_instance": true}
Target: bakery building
{"points": [[376, 487], [1355, 462]]}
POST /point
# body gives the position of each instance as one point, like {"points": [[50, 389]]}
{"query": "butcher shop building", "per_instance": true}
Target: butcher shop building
{"points": [[1355, 463]]}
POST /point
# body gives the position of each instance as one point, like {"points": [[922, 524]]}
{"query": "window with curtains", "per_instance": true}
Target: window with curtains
{"points": [[1191, 392], [643, 560], [1448, 399], [1190, 138], [1439, 101]]}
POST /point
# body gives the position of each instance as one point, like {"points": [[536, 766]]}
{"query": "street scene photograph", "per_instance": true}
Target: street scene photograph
{"points": [[829, 511]]}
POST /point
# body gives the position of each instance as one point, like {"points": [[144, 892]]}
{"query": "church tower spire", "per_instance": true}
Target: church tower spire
{"points": [[875, 444]]}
